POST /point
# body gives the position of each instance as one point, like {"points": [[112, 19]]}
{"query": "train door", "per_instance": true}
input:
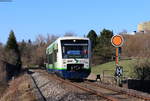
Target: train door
{"points": [[55, 51]]}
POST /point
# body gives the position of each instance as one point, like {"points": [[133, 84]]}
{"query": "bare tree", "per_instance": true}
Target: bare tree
{"points": [[69, 34], [137, 45], [40, 40], [2, 64], [41, 44], [1, 50], [33, 53], [50, 38]]}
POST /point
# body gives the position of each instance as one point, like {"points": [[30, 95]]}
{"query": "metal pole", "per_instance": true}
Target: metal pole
{"points": [[117, 56]]}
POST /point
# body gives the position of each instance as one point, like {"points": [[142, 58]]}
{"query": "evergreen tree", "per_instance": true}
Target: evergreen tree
{"points": [[12, 43], [105, 37], [93, 37], [13, 49], [104, 48], [29, 42]]}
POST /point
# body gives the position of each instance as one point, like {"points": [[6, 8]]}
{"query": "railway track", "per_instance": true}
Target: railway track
{"points": [[91, 91], [36, 86], [77, 85], [106, 92], [116, 89]]}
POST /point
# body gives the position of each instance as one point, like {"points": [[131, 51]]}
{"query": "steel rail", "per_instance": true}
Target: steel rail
{"points": [[109, 98], [43, 97], [120, 91]]}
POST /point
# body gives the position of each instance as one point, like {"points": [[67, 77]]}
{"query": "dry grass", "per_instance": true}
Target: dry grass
{"points": [[3, 86], [19, 90]]}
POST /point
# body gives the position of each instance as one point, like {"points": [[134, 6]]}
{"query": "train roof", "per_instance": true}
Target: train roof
{"points": [[71, 37]]}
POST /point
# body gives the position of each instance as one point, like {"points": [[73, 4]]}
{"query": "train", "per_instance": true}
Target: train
{"points": [[69, 57]]}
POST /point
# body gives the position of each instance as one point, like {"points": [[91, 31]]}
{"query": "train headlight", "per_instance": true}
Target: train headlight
{"points": [[74, 40], [86, 66], [64, 65]]}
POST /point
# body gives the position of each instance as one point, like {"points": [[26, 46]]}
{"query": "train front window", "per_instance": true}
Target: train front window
{"points": [[75, 50]]}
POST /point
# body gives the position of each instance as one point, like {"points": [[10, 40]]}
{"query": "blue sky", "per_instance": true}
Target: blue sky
{"points": [[28, 18]]}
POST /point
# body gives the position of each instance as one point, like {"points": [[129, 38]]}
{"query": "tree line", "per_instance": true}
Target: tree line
{"points": [[31, 53], [15, 56]]}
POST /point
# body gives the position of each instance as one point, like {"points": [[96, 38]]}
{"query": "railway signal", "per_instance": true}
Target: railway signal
{"points": [[117, 41]]}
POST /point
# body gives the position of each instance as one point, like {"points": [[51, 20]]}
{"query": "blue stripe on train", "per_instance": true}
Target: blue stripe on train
{"points": [[71, 74]]}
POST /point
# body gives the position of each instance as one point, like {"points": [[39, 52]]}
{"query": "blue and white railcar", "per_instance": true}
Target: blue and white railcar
{"points": [[69, 57]]}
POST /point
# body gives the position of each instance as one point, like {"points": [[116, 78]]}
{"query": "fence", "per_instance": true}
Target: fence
{"points": [[141, 85], [108, 76]]}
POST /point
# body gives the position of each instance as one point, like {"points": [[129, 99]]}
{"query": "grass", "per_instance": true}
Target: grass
{"points": [[109, 68], [18, 90]]}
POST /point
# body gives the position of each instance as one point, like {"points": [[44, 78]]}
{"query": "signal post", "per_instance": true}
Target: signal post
{"points": [[117, 41]]}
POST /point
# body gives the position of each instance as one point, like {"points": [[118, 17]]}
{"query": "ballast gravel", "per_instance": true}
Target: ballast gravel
{"points": [[53, 90]]}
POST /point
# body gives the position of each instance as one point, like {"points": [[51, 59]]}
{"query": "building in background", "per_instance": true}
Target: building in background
{"points": [[144, 27]]}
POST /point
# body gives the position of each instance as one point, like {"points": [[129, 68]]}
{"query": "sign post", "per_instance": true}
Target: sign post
{"points": [[117, 41], [117, 56]]}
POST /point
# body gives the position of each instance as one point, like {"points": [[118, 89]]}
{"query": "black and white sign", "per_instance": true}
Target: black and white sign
{"points": [[119, 71]]}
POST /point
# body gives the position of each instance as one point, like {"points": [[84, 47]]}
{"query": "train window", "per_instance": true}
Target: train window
{"points": [[76, 51], [74, 48], [55, 56], [50, 58], [56, 50]]}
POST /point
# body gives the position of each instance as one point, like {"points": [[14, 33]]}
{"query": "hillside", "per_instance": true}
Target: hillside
{"points": [[109, 67]]}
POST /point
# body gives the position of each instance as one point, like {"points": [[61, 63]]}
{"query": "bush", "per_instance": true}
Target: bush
{"points": [[142, 69]]}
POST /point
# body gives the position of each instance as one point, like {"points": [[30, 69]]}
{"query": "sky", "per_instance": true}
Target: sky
{"points": [[29, 18]]}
